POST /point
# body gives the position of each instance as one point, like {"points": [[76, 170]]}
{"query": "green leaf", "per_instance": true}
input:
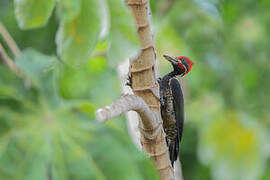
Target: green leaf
{"points": [[68, 9], [102, 77], [123, 38], [36, 65], [87, 108], [41, 70], [233, 144], [14, 93], [62, 144], [77, 37], [127, 162], [32, 13], [8, 83]]}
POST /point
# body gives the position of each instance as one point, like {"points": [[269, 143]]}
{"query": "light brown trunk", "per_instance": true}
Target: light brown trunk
{"points": [[144, 85]]}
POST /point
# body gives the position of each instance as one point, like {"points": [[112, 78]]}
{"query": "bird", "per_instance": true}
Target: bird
{"points": [[172, 103]]}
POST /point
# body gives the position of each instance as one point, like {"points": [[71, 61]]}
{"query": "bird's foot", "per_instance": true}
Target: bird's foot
{"points": [[159, 80], [162, 101], [129, 81]]}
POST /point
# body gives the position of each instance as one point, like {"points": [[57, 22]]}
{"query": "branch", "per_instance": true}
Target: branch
{"points": [[8, 61], [135, 103], [100, 54], [166, 6], [122, 105], [9, 40], [16, 53]]}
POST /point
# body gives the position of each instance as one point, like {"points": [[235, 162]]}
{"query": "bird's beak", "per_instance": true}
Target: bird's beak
{"points": [[171, 59]]}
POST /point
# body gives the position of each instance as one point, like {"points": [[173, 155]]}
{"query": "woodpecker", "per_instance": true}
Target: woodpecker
{"points": [[172, 103]]}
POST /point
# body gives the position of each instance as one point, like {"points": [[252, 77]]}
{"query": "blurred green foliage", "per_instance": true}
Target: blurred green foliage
{"points": [[31, 14], [48, 130], [47, 117], [227, 92], [77, 35]]}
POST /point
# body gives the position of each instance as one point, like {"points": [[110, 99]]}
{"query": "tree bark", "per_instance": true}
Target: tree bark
{"points": [[131, 116], [144, 84]]}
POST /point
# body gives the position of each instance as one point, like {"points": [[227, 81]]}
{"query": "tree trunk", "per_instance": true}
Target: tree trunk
{"points": [[144, 85], [146, 102]]}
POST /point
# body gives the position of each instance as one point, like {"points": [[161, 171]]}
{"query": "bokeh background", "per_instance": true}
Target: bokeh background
{"points": [[48, 129]]}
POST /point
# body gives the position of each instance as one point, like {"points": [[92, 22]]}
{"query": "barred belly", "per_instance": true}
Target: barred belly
{"points": [[169, 121]]}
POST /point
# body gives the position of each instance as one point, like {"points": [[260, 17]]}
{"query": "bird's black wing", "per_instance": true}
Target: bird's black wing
{"points": [[178, 104]]}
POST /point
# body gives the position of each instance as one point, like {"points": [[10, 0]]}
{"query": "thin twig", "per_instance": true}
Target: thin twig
{"points": [[8, 61], [9, 40], [100, 54], [165, 7], [16, 53]]}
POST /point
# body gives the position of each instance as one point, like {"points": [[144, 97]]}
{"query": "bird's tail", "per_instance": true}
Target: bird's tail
{"points": [[173, 151]]}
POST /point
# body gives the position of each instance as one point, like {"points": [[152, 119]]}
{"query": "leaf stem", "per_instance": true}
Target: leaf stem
{"points": [[8, 61], [9, 40]]}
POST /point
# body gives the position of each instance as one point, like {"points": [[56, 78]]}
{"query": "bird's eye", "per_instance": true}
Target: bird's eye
{"points": [[185, 64], [184, 60]]}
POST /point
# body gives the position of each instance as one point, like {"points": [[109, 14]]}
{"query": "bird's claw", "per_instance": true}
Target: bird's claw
{"points": [[162, 101], [129, 81], [159, 80]]}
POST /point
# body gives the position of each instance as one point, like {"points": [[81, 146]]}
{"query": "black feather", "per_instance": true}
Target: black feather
{"points": [[178, 105], [172, 112]]}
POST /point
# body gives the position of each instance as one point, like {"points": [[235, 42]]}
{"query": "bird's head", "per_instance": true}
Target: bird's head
{"points": [[182, 64]]}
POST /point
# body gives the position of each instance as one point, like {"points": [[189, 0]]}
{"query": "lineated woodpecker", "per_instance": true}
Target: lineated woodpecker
{"points": [[172, 103]]}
